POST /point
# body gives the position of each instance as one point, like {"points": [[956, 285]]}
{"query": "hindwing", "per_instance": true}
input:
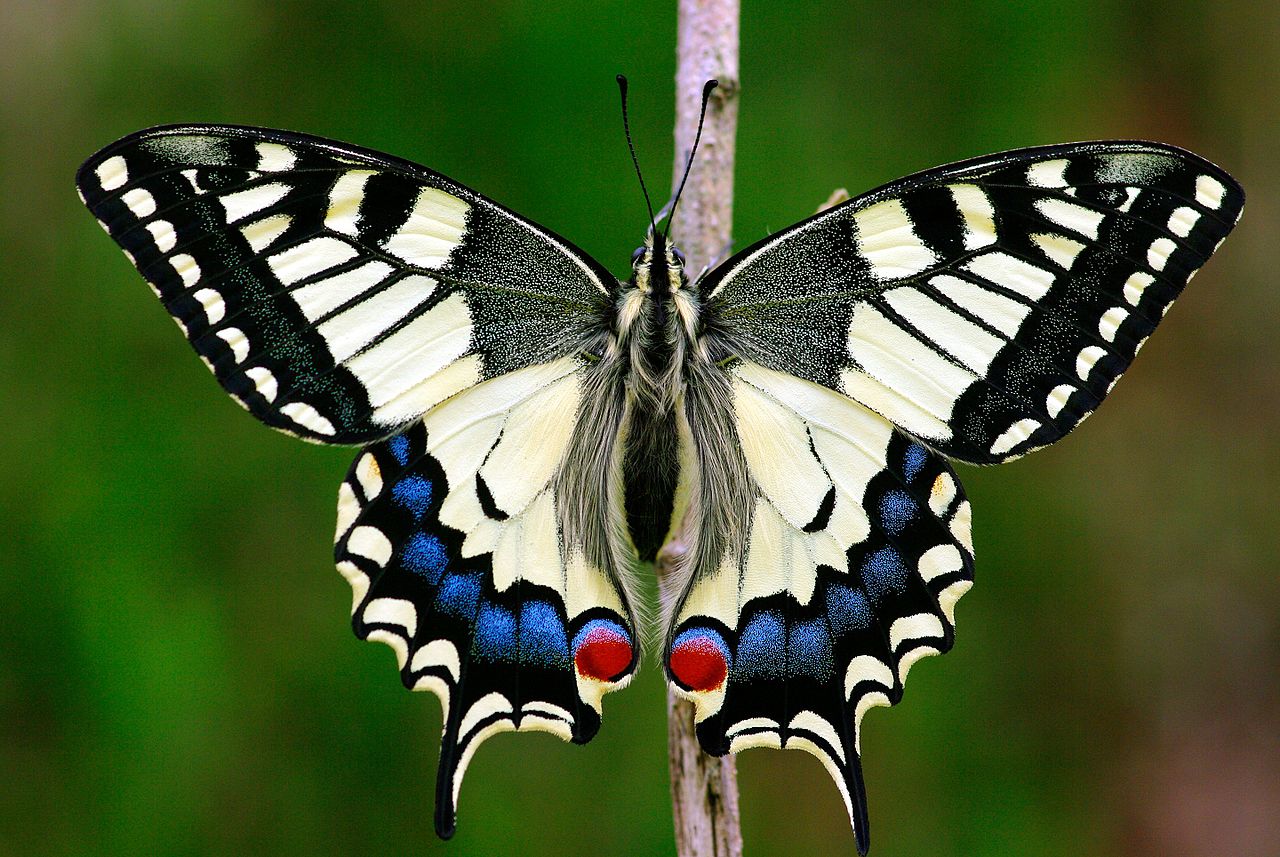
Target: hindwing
{"points": [[336, 292], [463, 542], [855, 549], [985, 307]]}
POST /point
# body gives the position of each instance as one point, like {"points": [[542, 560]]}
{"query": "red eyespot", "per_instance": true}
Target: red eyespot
{"points": [[602, 650], [698, 660]]}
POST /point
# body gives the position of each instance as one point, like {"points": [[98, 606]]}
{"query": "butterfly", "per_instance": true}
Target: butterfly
{"points": [[533, 428]]}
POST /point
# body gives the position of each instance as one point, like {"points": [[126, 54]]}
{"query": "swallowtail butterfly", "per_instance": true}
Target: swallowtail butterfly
{"points": [[532, 427]]}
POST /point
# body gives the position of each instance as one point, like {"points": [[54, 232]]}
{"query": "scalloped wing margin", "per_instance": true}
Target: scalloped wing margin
{"points": [[858, 549]]}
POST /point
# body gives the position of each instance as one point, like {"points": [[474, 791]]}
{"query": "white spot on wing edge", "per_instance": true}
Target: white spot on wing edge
{"points": [[114, 172], [1210, 192], [1048, 174], [392, 611], [275, 157], [867, 668], [914, 627], [1158, 255], [369, 475], [163, 234], [752, 723], [942, 493], [236, 341], [348, 510], [358, 580], [308, 417], [1136, 285], [438, 653], [370, 543], [948, 597], [939, 560], [140, 202], [1086, 360], [214, 307], [185, 266], [1014, 435], [1183, 220], [1058, 398], [264, 382], [1110, 322]]}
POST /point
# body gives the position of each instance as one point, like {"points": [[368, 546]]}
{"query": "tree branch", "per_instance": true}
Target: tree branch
{"points": [[704, 790]]}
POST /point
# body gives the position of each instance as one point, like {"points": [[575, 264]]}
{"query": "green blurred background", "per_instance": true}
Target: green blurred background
{"points": [[177, 675]]}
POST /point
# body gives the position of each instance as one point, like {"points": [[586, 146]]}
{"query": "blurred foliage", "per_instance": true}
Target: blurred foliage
{"points": [[176, 676]]}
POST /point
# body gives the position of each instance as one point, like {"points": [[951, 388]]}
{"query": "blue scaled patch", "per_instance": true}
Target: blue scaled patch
{"points": [[425, 555], [542, 636], [913, 461], [400, 449], [897, 508], [809, 650], [847, 609], [606, 625], [709, 634], [760, 647], [459, 595], [883, 571], [414, 494], [495, 638]]}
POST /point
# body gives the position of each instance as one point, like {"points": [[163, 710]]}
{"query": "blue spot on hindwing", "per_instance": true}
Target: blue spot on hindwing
{"points": [[399, 446], [883, 571], [761, 652], [414, 494], [914, 460], [542, 636], [809, 650], [425, 555], [897, 508], [495, 638], [847, 609], [458, 596]]}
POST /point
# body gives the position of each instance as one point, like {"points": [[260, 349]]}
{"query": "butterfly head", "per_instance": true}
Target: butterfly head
{"points": [[657, 267]]}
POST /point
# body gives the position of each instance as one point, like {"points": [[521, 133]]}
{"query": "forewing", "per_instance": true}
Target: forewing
{"points": [[989, 306], [855, 551], [336, 292], [460, 543]]}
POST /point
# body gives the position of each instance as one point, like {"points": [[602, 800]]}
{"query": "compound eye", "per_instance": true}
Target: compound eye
{"points": [[679, 256], [635, 257]]}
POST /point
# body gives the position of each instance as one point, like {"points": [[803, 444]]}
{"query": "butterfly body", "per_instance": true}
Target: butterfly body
{"points": [[532, 428]]}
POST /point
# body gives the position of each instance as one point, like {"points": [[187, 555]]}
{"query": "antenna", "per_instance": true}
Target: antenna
{"points": [[626, 128], [706, 96]]}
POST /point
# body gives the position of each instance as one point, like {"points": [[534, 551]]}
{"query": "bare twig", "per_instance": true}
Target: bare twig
{"points": [[704, 790]]}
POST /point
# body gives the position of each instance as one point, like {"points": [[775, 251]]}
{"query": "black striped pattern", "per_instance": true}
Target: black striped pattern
{"points": [[1011, 292]]}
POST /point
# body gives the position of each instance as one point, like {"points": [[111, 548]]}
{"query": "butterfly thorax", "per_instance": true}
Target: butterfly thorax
{"points": [[656, 319]]}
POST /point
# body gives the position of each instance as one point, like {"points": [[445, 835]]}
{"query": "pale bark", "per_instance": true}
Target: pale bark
{"points": [[704, 790]]}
